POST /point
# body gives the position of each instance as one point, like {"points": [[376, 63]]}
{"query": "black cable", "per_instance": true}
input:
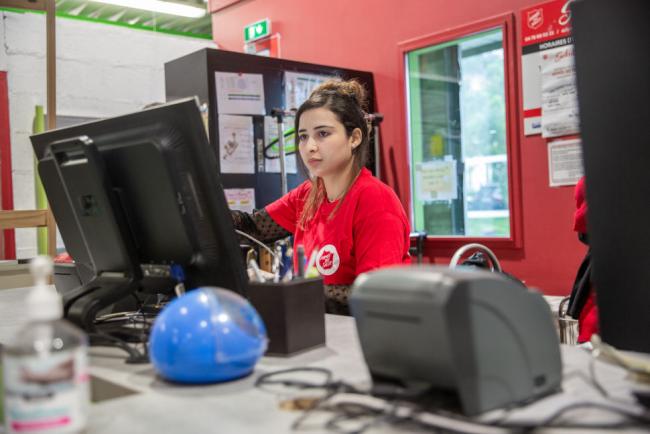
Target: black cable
{"points": [[271, 144], [297, 424], [347, 412], [138, 302], [331, 388], [265, 379], [357, 411]]}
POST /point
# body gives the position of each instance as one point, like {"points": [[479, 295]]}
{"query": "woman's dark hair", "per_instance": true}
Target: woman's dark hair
{"points": [[347, 100]]}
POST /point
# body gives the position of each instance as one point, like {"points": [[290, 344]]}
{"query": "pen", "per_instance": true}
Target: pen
{"points": [[311, 265], [301, 261]]}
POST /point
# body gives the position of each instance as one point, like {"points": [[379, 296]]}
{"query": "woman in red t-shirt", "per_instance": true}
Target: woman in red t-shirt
{"points": [[350, 220], [582, 305]]}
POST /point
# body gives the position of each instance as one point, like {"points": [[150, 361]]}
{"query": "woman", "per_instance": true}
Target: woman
{"points": [[582, 304], [350, 220]]}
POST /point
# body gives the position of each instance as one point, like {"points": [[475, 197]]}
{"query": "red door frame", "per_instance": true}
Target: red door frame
{"points": [[6, 183], [507, 24]]}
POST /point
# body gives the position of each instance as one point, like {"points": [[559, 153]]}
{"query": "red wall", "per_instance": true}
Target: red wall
{"points": [[364, 35]]}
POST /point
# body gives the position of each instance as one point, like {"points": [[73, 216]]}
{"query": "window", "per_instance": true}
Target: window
{"points": [[458, 97]]}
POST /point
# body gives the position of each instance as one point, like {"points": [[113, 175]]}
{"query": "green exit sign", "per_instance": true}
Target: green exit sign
{"points": [[258, 30]]}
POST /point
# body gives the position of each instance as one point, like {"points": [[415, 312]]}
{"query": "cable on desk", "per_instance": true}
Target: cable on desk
{"points": [[331, 388], [592, 380], [140, 322], [350, 411], [395, 411], [643, 419]]}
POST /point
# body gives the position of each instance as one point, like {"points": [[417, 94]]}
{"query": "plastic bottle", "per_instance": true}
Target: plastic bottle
{"points": [[45, 368]]}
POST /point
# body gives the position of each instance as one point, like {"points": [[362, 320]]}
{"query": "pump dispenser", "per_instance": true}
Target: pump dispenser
{"points": [[43, 302], [45, 368]]}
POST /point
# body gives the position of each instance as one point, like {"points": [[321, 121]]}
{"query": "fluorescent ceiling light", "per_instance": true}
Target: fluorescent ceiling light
{"points": [[160, 6]]}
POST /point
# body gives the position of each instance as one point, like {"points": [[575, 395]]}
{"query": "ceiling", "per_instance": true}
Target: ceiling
{"points": [[136, 18]]}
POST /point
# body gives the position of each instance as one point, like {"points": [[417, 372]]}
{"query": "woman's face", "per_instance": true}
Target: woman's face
{"points": [[324, 145]]}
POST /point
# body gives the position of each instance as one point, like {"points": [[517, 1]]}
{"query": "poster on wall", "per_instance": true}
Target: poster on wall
{"points": [[240, 199], [236, 150], [564, 162], [436, 180], [559, 93], [544, 27], [298, 87], [240, 93]]}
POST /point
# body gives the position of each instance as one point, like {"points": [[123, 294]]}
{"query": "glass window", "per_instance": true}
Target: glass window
{"points": [[458, 137]]}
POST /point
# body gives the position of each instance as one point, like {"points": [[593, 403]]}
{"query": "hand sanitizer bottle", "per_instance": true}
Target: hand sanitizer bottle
{"points": [[45, 368]]}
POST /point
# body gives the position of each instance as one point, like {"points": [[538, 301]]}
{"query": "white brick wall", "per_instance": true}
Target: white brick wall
{"points": [[102, 71], [3, 53]]}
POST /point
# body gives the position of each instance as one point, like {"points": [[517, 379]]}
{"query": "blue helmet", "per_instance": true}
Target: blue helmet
{"points": [[207, 335]]}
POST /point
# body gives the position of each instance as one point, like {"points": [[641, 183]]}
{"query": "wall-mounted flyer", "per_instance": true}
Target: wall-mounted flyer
{"points": [[564, 162], [240, 93], [559, 93], [298, 87], [240, 199], [236, 148]]}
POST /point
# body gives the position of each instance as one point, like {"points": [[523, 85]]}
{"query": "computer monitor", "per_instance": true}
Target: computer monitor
{"points": [[612, 52], [139, 202]]}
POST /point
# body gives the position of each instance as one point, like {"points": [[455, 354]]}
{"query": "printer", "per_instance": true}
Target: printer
{"points": [[478, 337]]}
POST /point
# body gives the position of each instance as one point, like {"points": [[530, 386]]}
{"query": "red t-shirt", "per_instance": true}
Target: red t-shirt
{"points": [[588, 320], [369, 230]]}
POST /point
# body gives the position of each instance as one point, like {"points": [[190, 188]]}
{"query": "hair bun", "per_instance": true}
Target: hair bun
{"points": [[350, 88]]}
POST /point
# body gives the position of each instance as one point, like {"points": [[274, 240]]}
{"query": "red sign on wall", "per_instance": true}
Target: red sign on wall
{"points": [[543, 27], [545, 22]]}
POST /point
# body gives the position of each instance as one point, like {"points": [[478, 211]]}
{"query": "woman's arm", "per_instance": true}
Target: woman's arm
{"points": [[259, 224]]}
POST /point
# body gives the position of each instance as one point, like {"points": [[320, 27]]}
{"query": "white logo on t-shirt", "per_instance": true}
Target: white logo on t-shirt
{"points": [[327, 260]]}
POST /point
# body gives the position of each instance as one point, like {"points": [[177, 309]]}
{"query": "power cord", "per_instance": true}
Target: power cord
{"points": [[140, 324], [258, 242], [393, 409]]}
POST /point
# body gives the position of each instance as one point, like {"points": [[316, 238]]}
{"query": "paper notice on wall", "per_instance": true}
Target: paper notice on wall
{"points": [[559, 93], [564, 162], [240, 199], [298, 87], [544, 26], [240, 93], [236, 150], [436, 180], [272, 148]]}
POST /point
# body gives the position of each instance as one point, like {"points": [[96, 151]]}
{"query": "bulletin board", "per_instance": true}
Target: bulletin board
{"points": [[238, 93]]}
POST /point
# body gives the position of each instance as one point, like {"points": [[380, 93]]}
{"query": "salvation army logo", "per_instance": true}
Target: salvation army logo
{"points": [[535, 18], [327, 260]]}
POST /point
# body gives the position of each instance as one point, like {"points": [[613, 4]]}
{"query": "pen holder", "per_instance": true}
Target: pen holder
{"points": [[293, 312]]}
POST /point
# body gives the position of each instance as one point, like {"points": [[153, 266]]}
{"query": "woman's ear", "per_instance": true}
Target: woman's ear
{"points": [[356, 137]]}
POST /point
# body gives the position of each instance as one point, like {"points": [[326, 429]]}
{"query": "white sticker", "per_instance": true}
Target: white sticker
{"points": [[327, 260]]}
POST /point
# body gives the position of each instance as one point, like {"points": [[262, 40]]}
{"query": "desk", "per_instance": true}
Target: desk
{"points": [[238, 407]]}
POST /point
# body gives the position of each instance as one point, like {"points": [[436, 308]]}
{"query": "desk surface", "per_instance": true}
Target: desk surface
{"points": [[238, 407]]}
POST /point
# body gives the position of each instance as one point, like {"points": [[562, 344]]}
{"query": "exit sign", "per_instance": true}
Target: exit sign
{"points": [[258, 30]]}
